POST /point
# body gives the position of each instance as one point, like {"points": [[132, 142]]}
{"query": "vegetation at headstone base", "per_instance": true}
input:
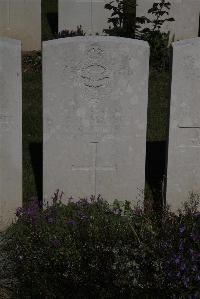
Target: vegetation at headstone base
{"points": [[88, 248], [126, 24], [71, 33]]}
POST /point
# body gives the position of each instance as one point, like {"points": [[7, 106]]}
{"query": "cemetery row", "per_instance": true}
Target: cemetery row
{"points": [[95, 96], [22, 19]]}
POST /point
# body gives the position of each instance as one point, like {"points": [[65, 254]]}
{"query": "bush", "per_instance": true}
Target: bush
{"points": [[70, 33], [89, 249], [32, 61], [124, 23]]}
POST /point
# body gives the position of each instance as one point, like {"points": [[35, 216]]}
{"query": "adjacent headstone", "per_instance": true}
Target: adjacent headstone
{"points": [[10, 129], [90, 14], [21, 19], [184, 134], [95, 115], [186, 15]]}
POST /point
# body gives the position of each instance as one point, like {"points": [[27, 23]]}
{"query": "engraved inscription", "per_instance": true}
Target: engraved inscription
{"points": [[6, 122], [95, 52], [193, 136]]}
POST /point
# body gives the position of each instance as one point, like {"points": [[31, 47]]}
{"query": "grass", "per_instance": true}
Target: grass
{"points": [[32, 126], [159, 86]]}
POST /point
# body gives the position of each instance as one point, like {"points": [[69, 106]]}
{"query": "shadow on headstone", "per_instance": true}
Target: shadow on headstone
{"points": [[156, 171], [37, 161], [199, 27]]}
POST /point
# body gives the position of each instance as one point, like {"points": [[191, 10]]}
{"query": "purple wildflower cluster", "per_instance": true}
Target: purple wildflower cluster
{"points": [[29, 210], [55, 242], [50, 214], [183, 264], [70, 221]]}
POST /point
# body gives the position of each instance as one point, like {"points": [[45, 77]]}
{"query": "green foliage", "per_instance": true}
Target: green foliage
{"points": [[32, 61], [68, 33], [89, 248], [126, 24], [158, 41], [122, 18]]}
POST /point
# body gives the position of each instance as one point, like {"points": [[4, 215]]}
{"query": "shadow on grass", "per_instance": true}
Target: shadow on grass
{"points": [[37, 162], [156, 170]]}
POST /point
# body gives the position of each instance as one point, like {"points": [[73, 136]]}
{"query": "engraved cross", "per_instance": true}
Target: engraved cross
{"points": [[94, 168]]}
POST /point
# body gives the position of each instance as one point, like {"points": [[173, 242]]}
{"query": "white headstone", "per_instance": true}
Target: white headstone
{"points": [[95, 115], [90, 14], [186, 15], [10, 129], [184, 133], [21, 19]]}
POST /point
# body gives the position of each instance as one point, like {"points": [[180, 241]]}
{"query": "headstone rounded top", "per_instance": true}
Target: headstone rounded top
{"points": [[10, 41], [186, 42], [113, 39]]}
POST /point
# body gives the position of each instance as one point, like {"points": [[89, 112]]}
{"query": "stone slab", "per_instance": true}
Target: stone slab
{"points": [[95, 114], [10, 129], [184, 133], [21, 19], [186, 15], [90, 14]]}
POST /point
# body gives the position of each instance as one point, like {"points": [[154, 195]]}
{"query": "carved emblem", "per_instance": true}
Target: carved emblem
{"points": [[94, 75]]}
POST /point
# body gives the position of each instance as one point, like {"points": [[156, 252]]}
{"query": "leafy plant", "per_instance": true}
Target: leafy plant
{"points": [[59, 252], [68, 33], [32, 62], [123, 18], [126, 24]]}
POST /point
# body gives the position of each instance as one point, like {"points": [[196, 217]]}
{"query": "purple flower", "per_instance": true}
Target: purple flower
{"points": [[194, 237], [56, 242], [197, 214], [186, 281], [181, 245], [29, 211], [115, 211], [197, 277], [71, 221], [191, 251], [81, 215], [183, 267], [19, 212], [194, 268], [177, 259], [138, 211], [182, 229], [50, 220]]}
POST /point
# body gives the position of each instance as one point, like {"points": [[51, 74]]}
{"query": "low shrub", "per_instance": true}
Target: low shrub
{"points": [[32, 61], [88, 248], [70, 33]]}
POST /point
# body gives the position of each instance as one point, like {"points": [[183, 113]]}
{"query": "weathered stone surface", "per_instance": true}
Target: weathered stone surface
{"points": [[10, 129], [95, 114], [184, 133], [185, 13], [21, 19], [90, 14]]}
